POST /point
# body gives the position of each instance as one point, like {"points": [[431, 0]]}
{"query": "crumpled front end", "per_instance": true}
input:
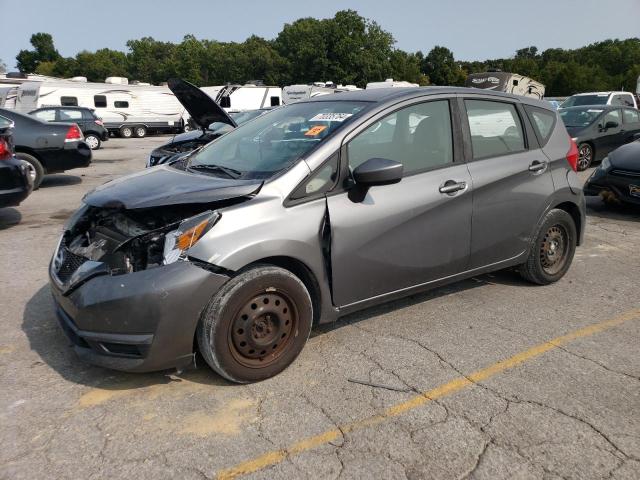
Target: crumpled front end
{"points": [[125, 291]]}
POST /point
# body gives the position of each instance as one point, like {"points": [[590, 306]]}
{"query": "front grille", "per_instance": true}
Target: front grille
{"points": [[69, 263], [625, 173]]}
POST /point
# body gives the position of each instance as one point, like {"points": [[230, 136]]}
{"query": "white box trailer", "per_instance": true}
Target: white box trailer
{"points": [[295, 93], [506, 82], [128, 110], [391, 83]]}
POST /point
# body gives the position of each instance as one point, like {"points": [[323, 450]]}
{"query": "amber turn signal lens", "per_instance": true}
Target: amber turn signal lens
{"points": [[188, 238]]}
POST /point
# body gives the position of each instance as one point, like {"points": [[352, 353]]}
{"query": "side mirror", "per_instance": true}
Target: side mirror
{"points": [[611, 124], [378, 171]]}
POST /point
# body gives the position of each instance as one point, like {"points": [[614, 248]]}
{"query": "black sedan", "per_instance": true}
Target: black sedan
{"points": [[15, 182], [599, 129], [47, 147], [617, 179]]}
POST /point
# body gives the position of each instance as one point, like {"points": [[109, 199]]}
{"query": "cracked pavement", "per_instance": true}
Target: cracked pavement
{"points": [[569, 413]]}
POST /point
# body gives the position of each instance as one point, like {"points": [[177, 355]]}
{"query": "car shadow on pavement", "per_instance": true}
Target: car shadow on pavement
{"points": [[9, 217], [503, 277], [60, 180], [46, 338], [596, 207]]}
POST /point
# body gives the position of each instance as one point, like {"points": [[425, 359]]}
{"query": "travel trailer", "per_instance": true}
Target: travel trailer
{"points": [[238, 98], [391, 83], [126, 110], [506, 82], [295, 93]]}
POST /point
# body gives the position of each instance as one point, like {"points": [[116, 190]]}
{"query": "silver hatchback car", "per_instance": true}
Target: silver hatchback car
{"points": [[309, 212]]}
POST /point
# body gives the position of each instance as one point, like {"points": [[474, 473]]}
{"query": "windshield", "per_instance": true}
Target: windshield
{"points": [[577, 100], [242, 117], [274, 141], [580, 117]]}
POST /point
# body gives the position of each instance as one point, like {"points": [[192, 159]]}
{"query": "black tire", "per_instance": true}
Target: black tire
{"points": [[126, 132], [556, 232], [36, 169], [256, 324], [140, 131], [585, 156], [93, 141]]}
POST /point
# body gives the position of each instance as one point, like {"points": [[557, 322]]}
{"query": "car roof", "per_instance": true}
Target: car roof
{"points": [[598, 107], [384, 94], [599, 93]]}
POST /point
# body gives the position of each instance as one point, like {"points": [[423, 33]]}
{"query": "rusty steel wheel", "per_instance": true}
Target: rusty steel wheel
{"points": [[553, 249], [262, 329], [256, 324]]}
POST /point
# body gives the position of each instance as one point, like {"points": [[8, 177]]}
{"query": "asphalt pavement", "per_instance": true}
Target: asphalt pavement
{"points": [[489, 378]]}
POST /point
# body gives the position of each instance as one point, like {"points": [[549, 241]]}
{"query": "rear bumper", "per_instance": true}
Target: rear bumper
{"points": [[73, 155], [15, 184], [138, 322]]}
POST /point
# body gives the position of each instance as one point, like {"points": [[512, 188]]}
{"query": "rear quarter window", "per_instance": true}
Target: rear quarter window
{"points": [[543, 122]]}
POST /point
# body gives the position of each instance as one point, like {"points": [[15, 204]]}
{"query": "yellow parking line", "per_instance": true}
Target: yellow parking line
{"points": [[455, 385]]}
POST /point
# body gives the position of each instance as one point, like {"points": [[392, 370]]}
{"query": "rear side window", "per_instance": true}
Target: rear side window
{"points": [[70, 115], [495, 128], [46, 115], [69, 101], [100, 101], [543, 122], [624, 100], [630, 116], [120, 104]]}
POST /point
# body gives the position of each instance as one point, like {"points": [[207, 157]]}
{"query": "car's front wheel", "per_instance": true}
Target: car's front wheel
{"points": [[256, 324], [552, 250], [93, 141], [585, 156]]}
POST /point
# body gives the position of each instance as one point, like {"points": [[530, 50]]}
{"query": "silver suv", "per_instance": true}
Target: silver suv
{"points": [[309, 212]]}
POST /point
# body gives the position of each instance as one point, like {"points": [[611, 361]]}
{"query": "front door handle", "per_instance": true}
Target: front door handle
{"points": [[450, 187], [537, 166]]}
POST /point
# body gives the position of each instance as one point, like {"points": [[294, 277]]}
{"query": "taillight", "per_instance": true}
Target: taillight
{"points": [[572, 155], [98, 122], [74, 134], [5, 151]]}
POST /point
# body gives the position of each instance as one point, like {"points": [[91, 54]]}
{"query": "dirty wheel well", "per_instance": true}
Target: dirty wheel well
{"points": [[573, 210]]}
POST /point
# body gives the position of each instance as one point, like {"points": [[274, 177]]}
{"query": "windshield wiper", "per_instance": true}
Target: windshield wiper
{"points": [[230, 172]]}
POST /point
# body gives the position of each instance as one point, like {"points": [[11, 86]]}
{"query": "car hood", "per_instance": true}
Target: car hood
{"points": [[627, 157], [202, 108], [165, 185]]}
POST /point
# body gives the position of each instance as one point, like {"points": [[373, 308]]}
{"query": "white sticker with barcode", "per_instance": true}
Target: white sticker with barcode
{"points": [[331, 117]]}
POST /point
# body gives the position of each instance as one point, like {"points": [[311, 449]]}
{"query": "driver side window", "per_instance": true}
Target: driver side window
{"points": [[418, 136]]}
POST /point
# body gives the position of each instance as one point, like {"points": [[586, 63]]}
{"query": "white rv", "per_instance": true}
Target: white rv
{"points": [[295, 93], [506, 82], [127, 110], [391, 83], [239, 98]]}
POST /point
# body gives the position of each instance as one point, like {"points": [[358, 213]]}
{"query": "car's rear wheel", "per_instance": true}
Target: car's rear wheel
{"points": [[34, 168], [126, 132], [140, 131], [585, 156], [552, 251], [256, 324], [93, 141]]}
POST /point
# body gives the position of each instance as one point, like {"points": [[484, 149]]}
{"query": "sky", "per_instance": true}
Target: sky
{"points": [[472, 29]]}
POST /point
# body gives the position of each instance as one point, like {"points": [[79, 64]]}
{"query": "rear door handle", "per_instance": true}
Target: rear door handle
{"points": [[537, 166], [450, 187]]}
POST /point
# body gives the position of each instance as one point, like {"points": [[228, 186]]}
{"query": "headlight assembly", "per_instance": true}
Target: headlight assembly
{"points": [[189, 232]]}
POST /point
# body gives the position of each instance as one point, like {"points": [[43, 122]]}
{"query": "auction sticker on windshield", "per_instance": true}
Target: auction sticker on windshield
{"points": [[315, 131], [331, 117]]}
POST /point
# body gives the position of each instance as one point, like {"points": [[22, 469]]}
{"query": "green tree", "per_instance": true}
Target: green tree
{"points": [[43, 51], [441, 67]]}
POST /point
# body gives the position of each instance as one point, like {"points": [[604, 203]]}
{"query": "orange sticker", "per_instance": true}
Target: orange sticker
{"points": [[315, 131]]}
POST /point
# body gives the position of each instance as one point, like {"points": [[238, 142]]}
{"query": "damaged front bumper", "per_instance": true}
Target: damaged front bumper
{"points": [[139, 322]]}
